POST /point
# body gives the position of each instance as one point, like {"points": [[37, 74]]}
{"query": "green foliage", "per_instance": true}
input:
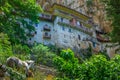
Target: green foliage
{"points": [[113, 13], [89, 3], [5, 47], [67, 54], [40, 49], [21, 49], [67, 64], [15, 18], [23, 56], [98, 67], [43, 55], [94, 68], [55, 49], [14, 75]]}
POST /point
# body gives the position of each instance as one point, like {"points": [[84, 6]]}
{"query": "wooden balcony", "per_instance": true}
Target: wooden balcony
{"points": [[30, 34], [82, 29], [46, 36], [102, 39], [100, 32], [45, 16], [46, 28]]}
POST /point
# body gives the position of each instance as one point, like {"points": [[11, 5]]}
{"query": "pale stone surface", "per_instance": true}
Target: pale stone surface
{"points": [[66, 39]]}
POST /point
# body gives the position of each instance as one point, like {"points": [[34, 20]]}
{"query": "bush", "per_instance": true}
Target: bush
{"points": [[14, 75], [67, 64], [98, 67], [43, 55], [5, 48], [21, 49]]}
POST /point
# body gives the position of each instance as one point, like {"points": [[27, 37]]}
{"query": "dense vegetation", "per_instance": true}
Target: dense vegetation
{"points": [[68, 66], [113, 13], [15, 18], [95, 68], [15, 13]]}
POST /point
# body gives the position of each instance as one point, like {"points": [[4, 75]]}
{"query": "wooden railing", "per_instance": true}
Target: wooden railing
{"points": [[101, 39], [47, 36], [81, 28], [46, 28], [45, 16]]}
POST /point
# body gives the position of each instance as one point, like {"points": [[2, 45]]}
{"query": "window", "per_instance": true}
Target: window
{"points": [[61, 19], [79, 37], [35, 32], [63, 28], [46, 25], [94, 44], [46, 34], [69, 30], [79, 45], [36, 25], [80, 24]]}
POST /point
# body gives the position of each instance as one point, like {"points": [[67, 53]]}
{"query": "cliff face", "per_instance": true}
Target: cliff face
{"points": [[93, 8]]}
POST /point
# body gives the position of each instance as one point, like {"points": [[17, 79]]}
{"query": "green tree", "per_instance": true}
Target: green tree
{"points": [[96, 68], [67, 64], [43, 55], [113, 12], [5, 47], [16, 17]]}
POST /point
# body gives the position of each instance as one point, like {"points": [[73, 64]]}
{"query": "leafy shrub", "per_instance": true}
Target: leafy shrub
{"points": [[94, 68], [14, 75], [23, 56], [40, 49], [5, 48], [98, 67], [43, 55], [55, 49], [67, 63], [21, 49]]}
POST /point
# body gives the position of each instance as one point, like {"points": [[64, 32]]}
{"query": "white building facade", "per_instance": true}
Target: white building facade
{"points": [[64, 29]]}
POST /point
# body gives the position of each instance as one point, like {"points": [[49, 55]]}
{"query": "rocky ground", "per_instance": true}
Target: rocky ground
{"points": [[43, 72]]}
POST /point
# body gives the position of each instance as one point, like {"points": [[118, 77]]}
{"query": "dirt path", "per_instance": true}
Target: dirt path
{"points": [[43, 72], [47, 70]]}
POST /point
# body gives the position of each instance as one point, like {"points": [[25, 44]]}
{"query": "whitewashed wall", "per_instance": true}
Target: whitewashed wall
{"points": [[64, 38], [67, 38], [38, 38]]}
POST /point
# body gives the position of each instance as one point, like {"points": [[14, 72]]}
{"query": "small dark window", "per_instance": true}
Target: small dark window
{"points": [[94, 44], [79, 45], [69, 30], [35, 32], [46, 34], [79, 37], [63, 28], [36, 25], [61, 19], [46, 25]]}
